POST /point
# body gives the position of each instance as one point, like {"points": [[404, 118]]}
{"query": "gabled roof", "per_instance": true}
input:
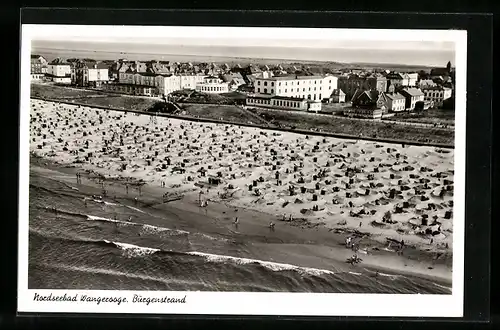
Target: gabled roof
{"points": [[395, 96], [371, 94], [102, 65], [337, 92], [58, 61], [393, 75], [412, 92]]}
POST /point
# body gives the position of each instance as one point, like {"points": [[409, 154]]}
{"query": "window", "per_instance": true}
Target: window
{"points": [[265, 83], [258, 82], [286, 90], [272, 83], [279, 90], [258, 90], [303, 89], [272, 91], [279, 84], [265, 90], [297, 89]]}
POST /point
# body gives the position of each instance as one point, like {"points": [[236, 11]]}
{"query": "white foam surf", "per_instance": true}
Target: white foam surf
{"points": [[132, 250], [274, 266], [145, 227]]}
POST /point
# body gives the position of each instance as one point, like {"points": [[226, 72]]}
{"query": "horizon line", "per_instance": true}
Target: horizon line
{"points": [[229, 57]]}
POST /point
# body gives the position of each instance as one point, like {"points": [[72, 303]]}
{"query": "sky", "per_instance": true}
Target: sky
{"points": [[426, 53]]}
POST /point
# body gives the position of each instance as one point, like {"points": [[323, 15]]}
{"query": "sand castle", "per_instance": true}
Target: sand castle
{"points": [[383, 189]]}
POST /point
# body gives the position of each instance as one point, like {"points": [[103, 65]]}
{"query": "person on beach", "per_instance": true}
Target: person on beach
{"points": [[85, 202], [291, 218], [129, 218], [348, 241], [271, 226], [135, 200]]}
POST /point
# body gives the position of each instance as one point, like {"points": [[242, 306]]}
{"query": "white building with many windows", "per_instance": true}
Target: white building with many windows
{"points": [[59, 71], [277, 102], [314, 88], [212, 85], [164, 84], [436, 94]]}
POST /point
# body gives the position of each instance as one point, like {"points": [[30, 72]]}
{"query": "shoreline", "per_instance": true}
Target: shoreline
{"points": [[318, 239]]}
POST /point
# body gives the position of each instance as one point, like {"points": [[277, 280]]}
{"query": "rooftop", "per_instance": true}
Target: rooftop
{"points": [[412, 91], [132, 85], [338, 92], [395, 96], [434, 87], [292, 77]]}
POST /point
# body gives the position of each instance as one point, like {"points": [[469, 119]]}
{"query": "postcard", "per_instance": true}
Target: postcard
{"points": [[242, 171]]}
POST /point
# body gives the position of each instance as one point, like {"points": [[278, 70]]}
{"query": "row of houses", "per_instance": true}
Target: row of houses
{"points": [[78, 72], [375, 104], [270, 87], [148, 79]]}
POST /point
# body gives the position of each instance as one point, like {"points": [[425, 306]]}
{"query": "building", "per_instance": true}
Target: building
{"points": [[351, 83], [59, 71], [366, 104], [426, 83], [409, 79], [436, 94], [394, 79], [436, 72], [131, 89], [364, 113], [394, 102], [38, 67], [283, 102], [212, 85], [338, 96], [164, 83], [89, 73], [234, 80], [314, 88], [412, 95], [368, 99]]}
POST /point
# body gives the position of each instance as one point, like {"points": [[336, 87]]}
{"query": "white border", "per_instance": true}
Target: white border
{"points": [[306, 304]]}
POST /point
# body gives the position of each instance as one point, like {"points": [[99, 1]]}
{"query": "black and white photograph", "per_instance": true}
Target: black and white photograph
{"points": [[241, 170]]}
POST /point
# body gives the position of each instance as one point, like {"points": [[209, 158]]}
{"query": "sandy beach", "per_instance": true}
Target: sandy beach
{"points": [[312, 188]]}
